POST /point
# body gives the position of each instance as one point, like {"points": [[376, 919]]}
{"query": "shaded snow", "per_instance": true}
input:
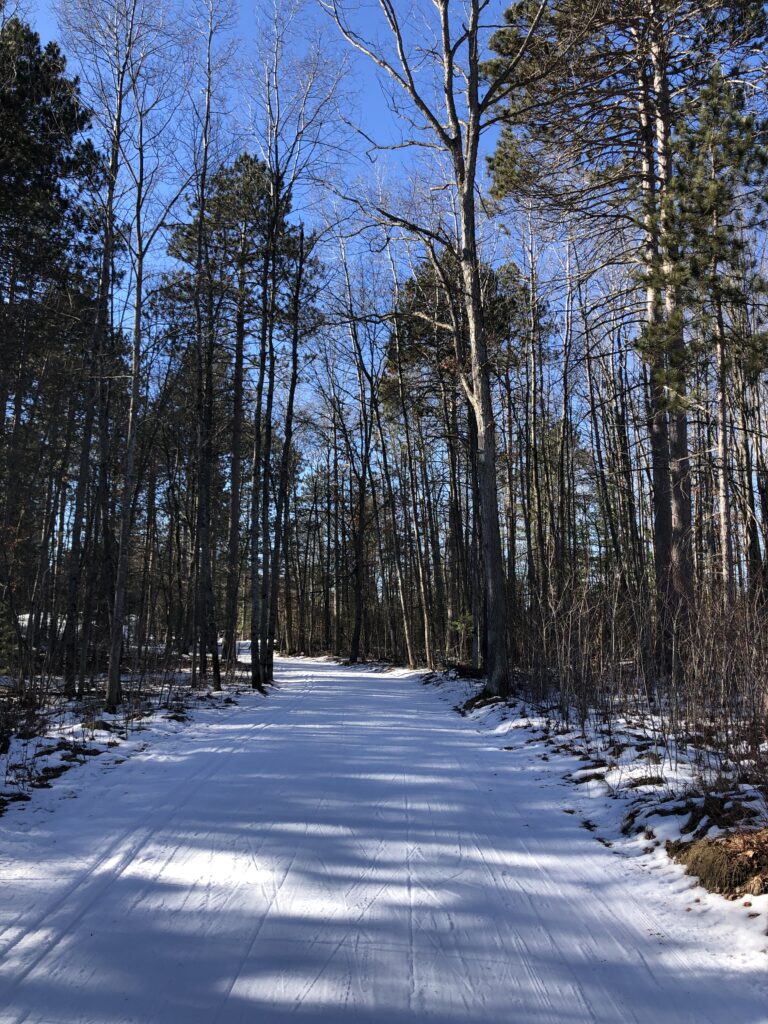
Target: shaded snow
{"points": [[348, 849]]}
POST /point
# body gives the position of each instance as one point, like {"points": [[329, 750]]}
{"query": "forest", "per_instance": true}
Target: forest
{"points": [[428, 334]]}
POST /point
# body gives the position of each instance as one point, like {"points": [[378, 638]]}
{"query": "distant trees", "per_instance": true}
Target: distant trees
{"points": [[448, 107], [257, 278], [514, 424], [233, 230]]}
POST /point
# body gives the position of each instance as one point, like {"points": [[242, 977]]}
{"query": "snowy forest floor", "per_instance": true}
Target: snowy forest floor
{"points": [[351, 849]]}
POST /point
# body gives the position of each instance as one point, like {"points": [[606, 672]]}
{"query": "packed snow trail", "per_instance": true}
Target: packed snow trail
{"points": [[348, 850]]}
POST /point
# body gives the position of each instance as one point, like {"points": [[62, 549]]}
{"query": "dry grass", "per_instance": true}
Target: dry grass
{"points": [[733, 864]]}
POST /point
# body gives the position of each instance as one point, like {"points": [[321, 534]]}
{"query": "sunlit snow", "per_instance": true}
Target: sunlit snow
{"points": [[347, 850]]}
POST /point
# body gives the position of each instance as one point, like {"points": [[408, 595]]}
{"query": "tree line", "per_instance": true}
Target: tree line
{"points": [[492, 394]]}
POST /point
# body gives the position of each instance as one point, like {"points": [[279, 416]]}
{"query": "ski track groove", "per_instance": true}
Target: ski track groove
{"points": [[252, 941], [117, 845], [626, 938], [534, 906], [125, 854]]}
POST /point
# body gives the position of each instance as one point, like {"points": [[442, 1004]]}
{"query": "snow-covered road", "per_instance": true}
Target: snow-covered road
{"points": [[348, 850]]}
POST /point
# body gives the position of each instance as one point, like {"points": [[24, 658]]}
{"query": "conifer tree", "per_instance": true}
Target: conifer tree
{"points": [[593, 133], [717, 199]]}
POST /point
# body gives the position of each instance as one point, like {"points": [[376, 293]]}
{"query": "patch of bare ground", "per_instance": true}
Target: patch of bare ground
{"points": [[646, 780], [481, 700], [733, 864]]}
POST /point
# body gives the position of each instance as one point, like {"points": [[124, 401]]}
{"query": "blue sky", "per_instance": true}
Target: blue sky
{"points": [[367, 104], [43, 20], [363, 88]]}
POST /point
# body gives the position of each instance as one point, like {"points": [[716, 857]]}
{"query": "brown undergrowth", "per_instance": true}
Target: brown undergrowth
{"points": [[733, 864]]}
